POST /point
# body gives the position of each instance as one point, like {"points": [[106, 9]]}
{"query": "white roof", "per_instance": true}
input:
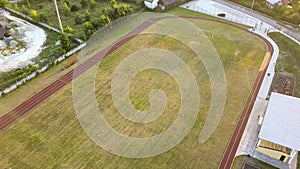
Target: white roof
{"points": [[273, 1], [281, 123]]}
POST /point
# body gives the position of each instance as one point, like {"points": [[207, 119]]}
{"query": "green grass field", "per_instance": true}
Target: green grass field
{"points": [[50, 136]]}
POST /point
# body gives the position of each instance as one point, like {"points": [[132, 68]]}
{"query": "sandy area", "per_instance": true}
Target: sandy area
{"points": [[33, 36]]}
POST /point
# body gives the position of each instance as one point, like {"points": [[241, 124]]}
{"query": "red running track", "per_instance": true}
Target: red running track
{"points": [[229, 154]]}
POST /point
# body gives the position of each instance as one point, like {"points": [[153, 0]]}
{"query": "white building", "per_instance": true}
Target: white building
{"points": [[151, 4], [279, 136]]}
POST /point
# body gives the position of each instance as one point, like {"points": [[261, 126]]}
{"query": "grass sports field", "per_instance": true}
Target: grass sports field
{"points": [[50, 136]]}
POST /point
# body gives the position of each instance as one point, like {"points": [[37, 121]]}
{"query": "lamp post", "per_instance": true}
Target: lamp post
{"points": [[252, 4], [58, 16]]}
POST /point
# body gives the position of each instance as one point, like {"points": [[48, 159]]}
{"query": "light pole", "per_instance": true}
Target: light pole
{"points": [[58, 16], [252, 4]]}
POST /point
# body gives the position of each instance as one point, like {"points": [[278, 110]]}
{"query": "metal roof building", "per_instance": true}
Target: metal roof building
{"points": [[281, 123]]}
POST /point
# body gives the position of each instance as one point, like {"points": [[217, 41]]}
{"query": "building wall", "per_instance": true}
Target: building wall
{"points": [[273, 153], [150, 5]]}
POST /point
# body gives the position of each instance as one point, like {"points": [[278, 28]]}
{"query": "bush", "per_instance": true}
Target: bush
{"points": [[87, 15], [34, 14], [65, 42], [74, 8], [68, 29], [84, 3], [99, 22], [67, 9], [43, 18], [79, 19], [3, 3]]}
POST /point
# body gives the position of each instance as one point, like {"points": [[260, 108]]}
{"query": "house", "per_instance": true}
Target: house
{"points": [[279, 136], [160, 4], [151, 4], [271, 3]]}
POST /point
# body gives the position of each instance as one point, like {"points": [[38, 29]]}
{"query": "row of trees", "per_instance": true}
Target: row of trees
{"points": [[114, 11]]}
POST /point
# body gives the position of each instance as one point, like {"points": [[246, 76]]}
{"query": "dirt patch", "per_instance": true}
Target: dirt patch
{"points": [[282, 84]]}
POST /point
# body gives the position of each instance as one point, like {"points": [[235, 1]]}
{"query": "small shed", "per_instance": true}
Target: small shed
{"points": [[271, 3], [165, 4], [160, 4], [151, 4]]}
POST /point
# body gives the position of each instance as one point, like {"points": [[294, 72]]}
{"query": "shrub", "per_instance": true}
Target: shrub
{"points": [[3, 3], [65, 42], [68, 29], [43, 18], [84, 3], [74, 8], [34, 14], [67, 9], [79, 19]]}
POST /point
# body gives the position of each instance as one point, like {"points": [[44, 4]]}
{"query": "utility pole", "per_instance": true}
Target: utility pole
{"points": [[58, 16], [252, 4]]}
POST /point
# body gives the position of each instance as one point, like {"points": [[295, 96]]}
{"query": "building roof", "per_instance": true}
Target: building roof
{"points": [[281, 123], [149, 1], [273, 1], [285, 2], [169, 2]]}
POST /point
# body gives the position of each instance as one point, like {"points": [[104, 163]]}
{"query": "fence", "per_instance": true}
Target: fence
{"points": [[41, 70], [294, 35]]}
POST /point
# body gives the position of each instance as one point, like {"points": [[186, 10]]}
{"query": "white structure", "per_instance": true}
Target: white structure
{"points": [[271, 3], [151, 4], [279, 136]]}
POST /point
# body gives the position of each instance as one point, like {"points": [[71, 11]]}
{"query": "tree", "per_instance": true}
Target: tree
{"points": [[89, 29], [93, 4], [79, 19], [74, 8], [67, 9], [99, 22], [87, 15], [43, 17], [3, 3], [34, 14], [68, 29], [65, 42], [16, 7], [84, 3], [123, 9]]}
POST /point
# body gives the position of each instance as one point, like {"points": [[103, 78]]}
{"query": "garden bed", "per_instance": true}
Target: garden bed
{"points": [[282, 84]]}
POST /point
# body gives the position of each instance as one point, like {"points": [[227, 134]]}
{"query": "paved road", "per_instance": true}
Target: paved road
{"points": [[290, 32], [229, 154]]}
